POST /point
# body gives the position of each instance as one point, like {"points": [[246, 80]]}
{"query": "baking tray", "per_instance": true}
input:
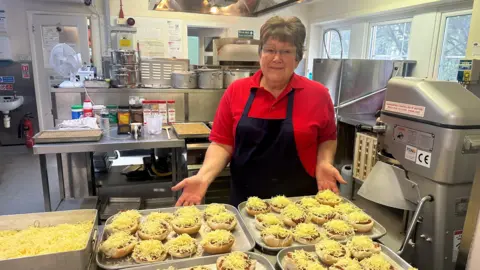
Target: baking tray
{"points": [[377, 232], [64, 136], [262, 263], [243, 241], [396, 261], [184, 136], [78, 259], [117, 204]]}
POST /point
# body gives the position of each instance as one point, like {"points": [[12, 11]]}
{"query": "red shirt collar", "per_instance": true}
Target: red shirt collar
{"points": [[295, 81]]}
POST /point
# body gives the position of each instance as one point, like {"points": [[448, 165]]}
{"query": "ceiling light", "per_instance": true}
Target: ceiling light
{"points": [[214, 10]]}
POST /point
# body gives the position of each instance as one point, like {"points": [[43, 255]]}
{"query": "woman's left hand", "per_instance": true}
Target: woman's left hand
{"points": [[327, 177]]}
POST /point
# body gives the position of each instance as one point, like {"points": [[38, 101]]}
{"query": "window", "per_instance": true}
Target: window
{"points": [[454, 45], [333, 43], [390, 40]]}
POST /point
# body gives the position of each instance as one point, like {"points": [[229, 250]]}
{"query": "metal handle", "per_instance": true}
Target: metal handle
{"points": [[471, 143], [355, 100], [411, 227]]}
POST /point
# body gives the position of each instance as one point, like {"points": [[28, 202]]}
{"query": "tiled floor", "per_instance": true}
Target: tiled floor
{"points": [[21, 191]]}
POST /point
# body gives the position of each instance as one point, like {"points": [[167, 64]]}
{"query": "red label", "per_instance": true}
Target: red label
{"points": [[6, 87], [25, 71]]}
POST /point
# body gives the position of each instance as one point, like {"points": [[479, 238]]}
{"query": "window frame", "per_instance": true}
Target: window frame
{"points": [[371, 36], [441, 35], [340, 29]]}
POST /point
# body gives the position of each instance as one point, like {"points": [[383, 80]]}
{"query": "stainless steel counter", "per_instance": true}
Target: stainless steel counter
{"points": [[355, 120], [134, 90]]}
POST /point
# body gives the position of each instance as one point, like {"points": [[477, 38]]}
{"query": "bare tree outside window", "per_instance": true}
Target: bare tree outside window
{"points": [[333, 44], [390, 41], [454, 46]]}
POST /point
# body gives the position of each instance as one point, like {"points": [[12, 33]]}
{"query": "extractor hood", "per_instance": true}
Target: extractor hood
{"points": [[249, 8]]}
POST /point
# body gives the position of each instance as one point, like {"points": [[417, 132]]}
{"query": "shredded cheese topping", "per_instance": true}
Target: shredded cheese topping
{"points": [[305, 230], [184, 243], [155, 227], [328, 196], [188, 211], [160, 216], [331, 247], [256, 203], [124, 221], [224, 217], [375, 262], [215, 209], [38, 241], [300, 256], [314, 266], [277, 231], [358, 217], [348, 264], [308, 202], [116, 241], [322, 211], [268, 219], [361, 243], [280, 201], [346, 208], [339, 227], [186, 221], [149, 250], [218, 237], [236, 260], [294, 212]]}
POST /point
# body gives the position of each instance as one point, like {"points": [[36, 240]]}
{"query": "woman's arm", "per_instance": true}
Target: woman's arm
{"points": [[326, 174]]}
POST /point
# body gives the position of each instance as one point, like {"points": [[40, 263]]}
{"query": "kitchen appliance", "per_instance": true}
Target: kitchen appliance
{"points": [[17, 82], [236, 52], [231, 75], [127, 76], [432, 129], [124, 57], [184, 80], [66, 62], [158, 72], [210, 78]]}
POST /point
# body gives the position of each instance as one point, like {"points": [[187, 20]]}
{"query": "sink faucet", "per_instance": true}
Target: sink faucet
{"points": [[14, 95]]}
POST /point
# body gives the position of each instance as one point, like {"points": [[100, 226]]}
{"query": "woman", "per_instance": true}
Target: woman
{"points": [[277, 128]]}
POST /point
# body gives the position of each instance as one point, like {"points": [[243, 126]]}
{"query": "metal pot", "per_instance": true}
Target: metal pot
{"points": [[125, 76], [231, 75], [184, 80], [124, 57], [210, 78]]}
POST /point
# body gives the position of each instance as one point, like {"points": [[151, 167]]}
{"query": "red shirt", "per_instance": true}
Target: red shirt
{"points": [[313, 114]]}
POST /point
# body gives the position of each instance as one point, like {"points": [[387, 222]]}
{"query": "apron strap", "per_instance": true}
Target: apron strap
{"points": [[253, 92]]}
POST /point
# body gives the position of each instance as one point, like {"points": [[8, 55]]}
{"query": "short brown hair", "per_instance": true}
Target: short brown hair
{"points": [[289, 29]]}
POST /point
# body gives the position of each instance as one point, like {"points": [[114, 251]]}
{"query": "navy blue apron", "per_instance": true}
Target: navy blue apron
{"points": [[265, 161]]}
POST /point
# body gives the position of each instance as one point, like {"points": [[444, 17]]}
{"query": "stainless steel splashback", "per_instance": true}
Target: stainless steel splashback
{"points": [[350, 79]]}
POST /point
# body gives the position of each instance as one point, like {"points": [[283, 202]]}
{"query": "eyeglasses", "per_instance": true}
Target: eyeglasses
{"points": [[283, 53]]}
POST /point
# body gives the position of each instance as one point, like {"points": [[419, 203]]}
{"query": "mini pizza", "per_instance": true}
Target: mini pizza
{"points": [[299, 260], [263, 221], [154, 229], [182, 246], [321, 214], [293, 215], [307, 233], [222, 221], [168, 217], [307, 203], [199, 268], [186, 224], [188, 211], [362, 247], [360, 221], [279, 202], [218, 241], [213, 209], [277, 236], [330, 251], [376, 262], [118, 245], [236, 260], [328, 197], [256, 206], [338, 230], [346, 264], [127, 221], [343, 209], [149, 251]]}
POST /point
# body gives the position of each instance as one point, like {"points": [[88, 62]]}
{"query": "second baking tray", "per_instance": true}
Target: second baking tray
{"points": [[396, 261], [243, 241], [377, 232], [210, 262]]}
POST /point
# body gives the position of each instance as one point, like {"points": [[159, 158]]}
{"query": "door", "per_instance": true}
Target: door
{"points": [[49, 30]]}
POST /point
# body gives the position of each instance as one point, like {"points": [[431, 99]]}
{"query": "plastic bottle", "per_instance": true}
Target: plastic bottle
{"points": [[87, 108], [77, 111]]}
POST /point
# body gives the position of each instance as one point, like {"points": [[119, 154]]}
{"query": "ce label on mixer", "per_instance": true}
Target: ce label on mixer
{"points": [[422, 158]]}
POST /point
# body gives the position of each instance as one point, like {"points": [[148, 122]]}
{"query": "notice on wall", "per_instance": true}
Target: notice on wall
{"points": [[50, 38], [174, 39], [152, 48], [3, 21]]}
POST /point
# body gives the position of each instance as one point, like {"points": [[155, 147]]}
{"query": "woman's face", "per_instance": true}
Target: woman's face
{"points": [[278, 61]]}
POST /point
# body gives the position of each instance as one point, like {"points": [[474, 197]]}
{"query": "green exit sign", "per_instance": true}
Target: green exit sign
{"points": [[246, 34]]}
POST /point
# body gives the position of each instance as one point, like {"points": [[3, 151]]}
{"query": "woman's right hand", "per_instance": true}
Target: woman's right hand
{"points": [[193, 190]]}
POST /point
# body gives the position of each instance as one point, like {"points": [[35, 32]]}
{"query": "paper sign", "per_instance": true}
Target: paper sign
{"points": [[457, 238], [7, 79], [3, 21], [410, 153], [25, 71], [404, 108], [6, 87]]}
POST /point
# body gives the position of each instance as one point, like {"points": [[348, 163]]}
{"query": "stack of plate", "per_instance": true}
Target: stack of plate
{"points": [[125, 71]]}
